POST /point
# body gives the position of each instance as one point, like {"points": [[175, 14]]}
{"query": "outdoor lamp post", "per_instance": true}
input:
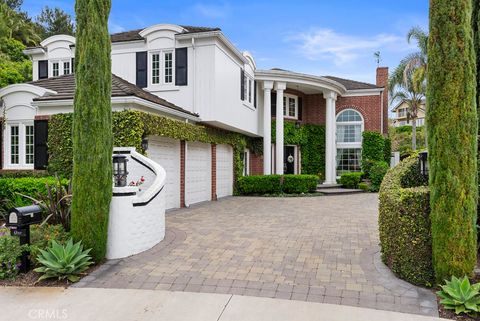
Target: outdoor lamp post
{"points": [[423, 157], [120, 170], [145, 143]]}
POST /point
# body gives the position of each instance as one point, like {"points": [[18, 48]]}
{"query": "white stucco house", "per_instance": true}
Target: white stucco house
{"points": [[197, 75]]}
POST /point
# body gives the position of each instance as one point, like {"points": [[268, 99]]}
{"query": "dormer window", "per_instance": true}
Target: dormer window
{"points": [[162, 67], [66, 67], [55, 69], [60, 67]]}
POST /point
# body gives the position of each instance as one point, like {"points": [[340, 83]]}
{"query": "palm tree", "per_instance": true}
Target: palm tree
{"points": [[408, 80]]}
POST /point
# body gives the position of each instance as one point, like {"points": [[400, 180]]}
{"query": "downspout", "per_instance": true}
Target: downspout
{"points": [[381, 112], [194, 107]]}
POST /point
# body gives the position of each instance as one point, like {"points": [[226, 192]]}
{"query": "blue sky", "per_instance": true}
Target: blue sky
{"points": [[317, 37]]}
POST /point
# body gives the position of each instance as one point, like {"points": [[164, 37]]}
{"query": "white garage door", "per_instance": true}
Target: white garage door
{"points": [[166, 152], [224, 170], [198, 173]]}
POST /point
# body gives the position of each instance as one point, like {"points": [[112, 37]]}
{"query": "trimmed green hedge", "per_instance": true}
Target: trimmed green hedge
{"points": [[276, 184], [377, 173], [373, 150], [351, 179], [404, 223], [30, 186]]}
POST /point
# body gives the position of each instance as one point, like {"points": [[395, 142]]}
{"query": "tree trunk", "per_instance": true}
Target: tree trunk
{"points": [[452, 138], [414, 134], [92, 127]]}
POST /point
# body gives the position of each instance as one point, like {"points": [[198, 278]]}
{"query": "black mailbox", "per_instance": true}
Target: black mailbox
{"points": [[19, 220]]}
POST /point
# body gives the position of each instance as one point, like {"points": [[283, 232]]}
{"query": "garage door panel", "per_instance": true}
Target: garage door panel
{"points": [[198, 173], [224, 170], [166, 152]]}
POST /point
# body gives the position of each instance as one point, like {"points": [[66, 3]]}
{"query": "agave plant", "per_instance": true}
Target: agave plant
{"points": [[461, 296], [63, 261]]}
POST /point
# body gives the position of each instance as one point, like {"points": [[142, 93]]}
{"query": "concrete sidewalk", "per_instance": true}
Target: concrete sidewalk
{"points": [[125, 304]]}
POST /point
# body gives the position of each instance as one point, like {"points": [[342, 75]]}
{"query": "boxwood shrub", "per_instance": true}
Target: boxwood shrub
{"points": [[276, 184], [377, 173], [373, 150], [351, 179], [404, 223]]}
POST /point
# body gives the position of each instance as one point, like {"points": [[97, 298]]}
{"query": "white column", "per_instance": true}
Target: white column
{"points": [[330, 139], [267, 130], [279, 87]]}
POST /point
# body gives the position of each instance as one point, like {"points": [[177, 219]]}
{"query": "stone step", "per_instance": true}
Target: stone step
{"points": [[338, 191], [325, 186]]}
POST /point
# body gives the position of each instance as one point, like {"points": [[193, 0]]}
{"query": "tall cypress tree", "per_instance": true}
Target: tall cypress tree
{"points": [[92, 127], [452, 136]]}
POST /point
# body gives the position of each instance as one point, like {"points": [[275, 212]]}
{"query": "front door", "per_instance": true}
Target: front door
{"points": [[289, 160]]}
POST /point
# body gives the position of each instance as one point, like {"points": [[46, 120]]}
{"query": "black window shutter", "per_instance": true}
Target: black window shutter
{"points": [[273, 98], [255, 93], [242, 84], [42, 69], [41, 150], [141, 80], [181, 67], [300, 108], [73, 65]]}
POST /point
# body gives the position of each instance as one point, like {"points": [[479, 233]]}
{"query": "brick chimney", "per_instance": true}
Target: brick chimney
{"points": [[382, 81]]}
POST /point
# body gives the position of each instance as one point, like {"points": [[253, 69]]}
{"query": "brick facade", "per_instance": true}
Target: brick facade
{"points": [[256, 164], [382, 81]]}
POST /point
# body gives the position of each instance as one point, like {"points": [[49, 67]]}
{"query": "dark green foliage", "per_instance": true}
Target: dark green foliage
{"points": [[377, 172], [311, 139], [92, 127], [10, 250], [401, 138], [55, 21], [276, 184], [387, 150], [298, 184], [452, 138], [364, 186], [23, 173], [259, 184], [459, 295], [10, 188], [351, 180], [373, 150], [404, 224], [41, 237], [476, 42]]}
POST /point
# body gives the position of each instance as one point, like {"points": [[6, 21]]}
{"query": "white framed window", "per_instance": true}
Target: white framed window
{"points": [[66, 67], [290, 106], [55, 69], [350, 125], [155, 68], [246, 162], [19, 142], [168, 67]]}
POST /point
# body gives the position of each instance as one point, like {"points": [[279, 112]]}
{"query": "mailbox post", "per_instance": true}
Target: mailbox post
{"points": [[18, 221]]}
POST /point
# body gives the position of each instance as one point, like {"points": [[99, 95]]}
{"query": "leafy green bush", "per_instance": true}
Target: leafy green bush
{"points": [[404, 223], [351, 179], [41, 237], [460, 296], [364, 186], [10, 188], [377, 172], [63, 262], [387, 150], [22, 173], [298, 184], [373, 149], [10, 251], [276, 184]]}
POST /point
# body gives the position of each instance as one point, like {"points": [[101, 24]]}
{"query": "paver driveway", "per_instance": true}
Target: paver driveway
{"points": [[321, 249]]}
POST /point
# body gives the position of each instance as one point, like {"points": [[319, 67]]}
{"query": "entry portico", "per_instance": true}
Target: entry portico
{"points": [[280, 81]]}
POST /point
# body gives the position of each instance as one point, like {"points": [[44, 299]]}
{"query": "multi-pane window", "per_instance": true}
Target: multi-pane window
{"points": [[168, 67], [290, 105], [55, 69], [348, 160], [15, 144], [66, 67], [250, 90], [29, 145], [156, 68], [349, 141]]}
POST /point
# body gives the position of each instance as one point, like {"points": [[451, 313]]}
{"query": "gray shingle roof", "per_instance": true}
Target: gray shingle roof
{"points": [[133, 35], [352, 84], [65, 88]]}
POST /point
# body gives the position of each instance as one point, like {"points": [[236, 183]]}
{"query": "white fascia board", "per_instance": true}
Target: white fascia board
{"points": [[215, 34], [122, 100], [35, 51], [363, 92]]}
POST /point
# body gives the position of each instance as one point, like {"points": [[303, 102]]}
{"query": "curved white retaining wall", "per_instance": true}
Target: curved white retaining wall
{"points": [[137, 214]]}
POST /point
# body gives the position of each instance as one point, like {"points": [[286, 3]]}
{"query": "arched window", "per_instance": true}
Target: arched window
{"points": [[349, 141]]}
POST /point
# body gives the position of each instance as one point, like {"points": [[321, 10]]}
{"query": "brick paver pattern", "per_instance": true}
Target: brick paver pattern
{"points": [[319, 249]]}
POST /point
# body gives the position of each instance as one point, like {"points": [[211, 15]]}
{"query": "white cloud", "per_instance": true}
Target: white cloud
{"points": [[342, 49], [212, 11], [114, 28]]}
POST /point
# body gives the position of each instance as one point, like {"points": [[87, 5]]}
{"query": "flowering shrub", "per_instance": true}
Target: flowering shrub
{"points": [[137, 183]]}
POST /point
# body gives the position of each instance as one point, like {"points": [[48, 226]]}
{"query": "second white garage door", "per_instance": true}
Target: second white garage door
{"points": [[166, 152], [224, 170], [198, 173]]}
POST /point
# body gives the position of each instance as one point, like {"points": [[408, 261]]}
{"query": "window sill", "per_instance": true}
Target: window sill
{"points": [[163, 88], [249, 106]]}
